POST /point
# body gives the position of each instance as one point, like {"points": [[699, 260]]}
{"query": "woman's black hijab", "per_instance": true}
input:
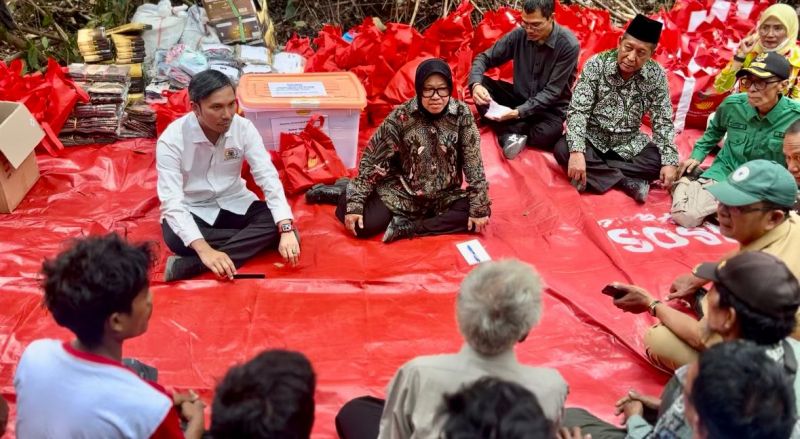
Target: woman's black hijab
{"points": [[427, 68]]}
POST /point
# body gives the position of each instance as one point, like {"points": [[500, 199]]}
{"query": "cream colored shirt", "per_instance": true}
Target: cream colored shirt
{"points": [[784, 243], [416, 393]]}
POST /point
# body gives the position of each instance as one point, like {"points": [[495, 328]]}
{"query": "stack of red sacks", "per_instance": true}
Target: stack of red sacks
{"points": [[699, 38], [698, 41], [386, 61], [50, 97]]}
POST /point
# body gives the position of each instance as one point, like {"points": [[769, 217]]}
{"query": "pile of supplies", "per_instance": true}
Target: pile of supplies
{"points": [[97, 121]]}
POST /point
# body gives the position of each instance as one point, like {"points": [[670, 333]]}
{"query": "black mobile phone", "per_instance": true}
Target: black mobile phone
{"points": [[611, 290]]}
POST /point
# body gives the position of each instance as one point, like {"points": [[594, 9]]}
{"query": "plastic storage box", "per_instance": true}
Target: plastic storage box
{"points": [[284, 103]]}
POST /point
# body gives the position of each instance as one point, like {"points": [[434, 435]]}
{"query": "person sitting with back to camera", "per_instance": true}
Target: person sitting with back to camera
{"points": [[410, 175], [99, 289], [269, 396]]}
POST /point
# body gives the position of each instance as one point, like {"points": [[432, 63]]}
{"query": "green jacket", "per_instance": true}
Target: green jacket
{"points": [[750, 136]]}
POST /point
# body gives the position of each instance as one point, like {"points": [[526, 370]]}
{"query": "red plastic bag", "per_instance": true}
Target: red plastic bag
{"points": [[399, 41], [495, 25], [177, 105], [300, 46], [49, 97], [330, 48], [309, 157]]}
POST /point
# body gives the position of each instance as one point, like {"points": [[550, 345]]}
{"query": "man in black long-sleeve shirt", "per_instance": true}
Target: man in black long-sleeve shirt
{"points": [[545, 57]]}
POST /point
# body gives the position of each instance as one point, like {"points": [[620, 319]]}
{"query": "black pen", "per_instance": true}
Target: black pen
{"points": [[250, 276]]}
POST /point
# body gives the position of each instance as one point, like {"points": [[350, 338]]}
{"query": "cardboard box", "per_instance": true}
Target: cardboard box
{"points": [[229, 32], [19, 135], [218, 10]]}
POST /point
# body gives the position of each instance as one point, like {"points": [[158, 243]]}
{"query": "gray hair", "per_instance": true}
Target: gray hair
{"points": [[498, 303], [794, 128]]}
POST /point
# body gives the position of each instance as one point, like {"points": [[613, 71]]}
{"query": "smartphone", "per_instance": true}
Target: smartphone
{"points": [[611, 290]]}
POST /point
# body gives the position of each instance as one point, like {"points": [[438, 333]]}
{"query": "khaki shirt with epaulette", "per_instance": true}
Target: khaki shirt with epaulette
{"points": [[783, 242]]}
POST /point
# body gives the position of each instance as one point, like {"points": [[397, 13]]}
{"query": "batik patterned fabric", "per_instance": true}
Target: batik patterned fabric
{"points": [[607, 111], [417, 165]]}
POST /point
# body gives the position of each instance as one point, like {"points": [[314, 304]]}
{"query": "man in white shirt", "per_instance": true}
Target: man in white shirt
{"points": [[497, 305], [208, 216]]}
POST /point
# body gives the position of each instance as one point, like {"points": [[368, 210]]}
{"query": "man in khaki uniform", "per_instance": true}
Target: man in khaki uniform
{"points": [[755, 205]]}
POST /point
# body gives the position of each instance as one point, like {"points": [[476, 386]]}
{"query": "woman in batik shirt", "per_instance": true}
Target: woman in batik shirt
{"points": [[410, 176]]}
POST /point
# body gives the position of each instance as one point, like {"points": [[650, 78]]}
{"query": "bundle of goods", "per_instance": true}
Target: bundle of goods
{"points": [[129, 49], [252, 55], [139, 120], [86, 139], [154, 92], [137, 79], [99, 73], [128, 42], [97, 121], [218, 52], [94, 45], [167, 23], [236, 21], [106, 92], [177, 66]]}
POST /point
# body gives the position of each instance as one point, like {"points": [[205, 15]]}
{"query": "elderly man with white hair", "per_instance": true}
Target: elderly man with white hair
{"points": [[497, 306]]}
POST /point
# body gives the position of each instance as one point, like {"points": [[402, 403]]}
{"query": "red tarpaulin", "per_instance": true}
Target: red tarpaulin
{"points": [[359, 309]]}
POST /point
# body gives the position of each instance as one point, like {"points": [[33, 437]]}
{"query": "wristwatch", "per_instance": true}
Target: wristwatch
{"points": [[287, 227], [652, 307]]}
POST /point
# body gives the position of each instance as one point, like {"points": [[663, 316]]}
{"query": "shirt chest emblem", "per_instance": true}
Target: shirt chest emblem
{"points": [[232, 153]]}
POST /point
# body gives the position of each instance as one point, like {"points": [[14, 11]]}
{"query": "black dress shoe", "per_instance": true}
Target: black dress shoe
{"points": [[400, 227], [635, 188], [327, 193]]}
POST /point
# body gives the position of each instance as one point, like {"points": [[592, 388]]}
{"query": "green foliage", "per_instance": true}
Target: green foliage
{"points": [[51, 26]]}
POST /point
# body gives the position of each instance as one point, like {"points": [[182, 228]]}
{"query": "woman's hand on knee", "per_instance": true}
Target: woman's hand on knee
{"points": [[477, 225]]}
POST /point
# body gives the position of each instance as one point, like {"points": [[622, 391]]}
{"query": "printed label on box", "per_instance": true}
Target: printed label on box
{"points": [[297, 89], [292, 125]]}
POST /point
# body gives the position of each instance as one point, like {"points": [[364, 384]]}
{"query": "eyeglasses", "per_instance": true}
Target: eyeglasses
{"points": [[741, 210], [429, 92], [532, 26], [756, 84]]}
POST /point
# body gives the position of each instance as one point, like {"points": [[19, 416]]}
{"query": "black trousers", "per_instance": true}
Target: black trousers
{"points": [[377, 217], [239, 236], [543, 130], [606, 169], [360, 418]]}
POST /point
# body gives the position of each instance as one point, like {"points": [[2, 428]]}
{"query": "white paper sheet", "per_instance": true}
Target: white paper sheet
{"points": [[496, 111], [311, 89], [473, 252]]}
